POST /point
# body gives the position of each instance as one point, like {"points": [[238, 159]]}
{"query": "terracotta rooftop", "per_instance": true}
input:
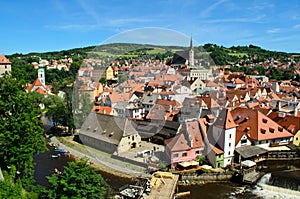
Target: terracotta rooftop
{"points": [[257, 126], [225, 120]]}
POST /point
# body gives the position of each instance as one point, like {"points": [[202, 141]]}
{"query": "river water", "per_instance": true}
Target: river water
{"points": [[45, 166]]}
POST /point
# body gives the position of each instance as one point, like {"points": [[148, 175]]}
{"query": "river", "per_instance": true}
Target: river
{"points": [[45, 166]]}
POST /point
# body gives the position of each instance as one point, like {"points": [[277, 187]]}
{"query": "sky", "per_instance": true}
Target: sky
{"points": [[52, 25]]}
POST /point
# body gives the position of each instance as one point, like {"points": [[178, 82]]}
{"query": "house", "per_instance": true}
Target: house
{"points": [[5, 65], [148, 101], [214, 154], [186, 145], [289, 122], [39, 85], [135, 109], [110, 134], [255, 128], [224, 135], [110, 73]]}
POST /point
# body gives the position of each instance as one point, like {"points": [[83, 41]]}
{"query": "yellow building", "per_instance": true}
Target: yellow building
{"points": [[109, 72], [296, 140]]}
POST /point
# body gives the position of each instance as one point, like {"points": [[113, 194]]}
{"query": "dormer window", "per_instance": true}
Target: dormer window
{"points": [[264, 120], [263, 131], [271, 130], [247, 128], [280, 129]]}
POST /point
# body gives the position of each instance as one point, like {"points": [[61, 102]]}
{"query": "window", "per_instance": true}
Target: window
{"points": [[265, 120], [175, 155], [184, 154], [243, 141], [263, 131], [197, 152], [229, 144], [229, 153], [271, 130], [229, 135], [133, 138], [296, 139]]}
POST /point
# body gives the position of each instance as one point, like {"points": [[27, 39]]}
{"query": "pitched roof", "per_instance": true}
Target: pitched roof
{"points": [[4, 60], [289, 122], [108, 128], [189, 138], [257, 126], [225, 120]]}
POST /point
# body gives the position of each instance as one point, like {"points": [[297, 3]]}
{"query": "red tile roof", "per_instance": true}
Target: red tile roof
{"points": [[4, 60], [257, 126], [225, 120]]}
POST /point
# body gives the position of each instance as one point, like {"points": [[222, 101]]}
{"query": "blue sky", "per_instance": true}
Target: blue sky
{"points": [[51, 25]]}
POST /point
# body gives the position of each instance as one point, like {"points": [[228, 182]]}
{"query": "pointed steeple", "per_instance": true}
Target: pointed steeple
{"points": [[191, 43], [191, 53]]}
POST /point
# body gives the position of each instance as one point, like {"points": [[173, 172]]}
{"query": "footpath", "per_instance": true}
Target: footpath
{"points": [[100, 159]]}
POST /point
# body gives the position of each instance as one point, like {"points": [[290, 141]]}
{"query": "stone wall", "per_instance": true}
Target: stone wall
{"points": [[208, 177]]}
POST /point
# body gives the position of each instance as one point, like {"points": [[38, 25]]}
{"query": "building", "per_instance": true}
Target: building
{"points": [[5, 65], [255, 128], [224, 135], [108, 133], [191, 54], [39, 85], [186, 145]]}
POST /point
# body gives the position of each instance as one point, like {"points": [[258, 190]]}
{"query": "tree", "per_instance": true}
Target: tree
{"points": [[78, 180], [56, 110], [21, 132]]}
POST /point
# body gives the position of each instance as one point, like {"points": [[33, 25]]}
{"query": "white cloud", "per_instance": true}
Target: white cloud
{"points": [[296, 26], [209, 9], [273, 30]]}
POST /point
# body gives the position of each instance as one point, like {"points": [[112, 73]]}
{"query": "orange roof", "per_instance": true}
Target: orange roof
{"points": [[41, 91], [118, 97], [4, 60], [212, 84], [289, 122], [38, 83], [225, 120], [216, 150], [257, 126], [104, 110], [239, 81], [194, 132]]}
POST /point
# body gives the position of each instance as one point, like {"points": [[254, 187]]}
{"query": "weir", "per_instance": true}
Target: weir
{"points": [[284, 186]]}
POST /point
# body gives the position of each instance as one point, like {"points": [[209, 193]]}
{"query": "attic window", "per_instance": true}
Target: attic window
{"points": [[238, 117], [88, 128], [247, 128], [264, 120], [111, 134], [263, 131], [280, 129], [271, 130], [95, 129]]}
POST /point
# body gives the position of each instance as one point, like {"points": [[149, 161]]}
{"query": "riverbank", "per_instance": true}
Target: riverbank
{"points": [[100, 160]]}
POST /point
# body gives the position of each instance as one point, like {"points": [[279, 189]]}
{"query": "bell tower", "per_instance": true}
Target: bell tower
{"points": [[191, 53], [41, 72]]}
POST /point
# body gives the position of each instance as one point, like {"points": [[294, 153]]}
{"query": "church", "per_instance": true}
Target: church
{"points": [[181, 59], [39, 85]]}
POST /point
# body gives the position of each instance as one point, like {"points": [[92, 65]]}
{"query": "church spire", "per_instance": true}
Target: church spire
{"points": [[191, 53]]}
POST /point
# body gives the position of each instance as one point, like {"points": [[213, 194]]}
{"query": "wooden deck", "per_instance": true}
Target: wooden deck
{"points": [[165, 190]]}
